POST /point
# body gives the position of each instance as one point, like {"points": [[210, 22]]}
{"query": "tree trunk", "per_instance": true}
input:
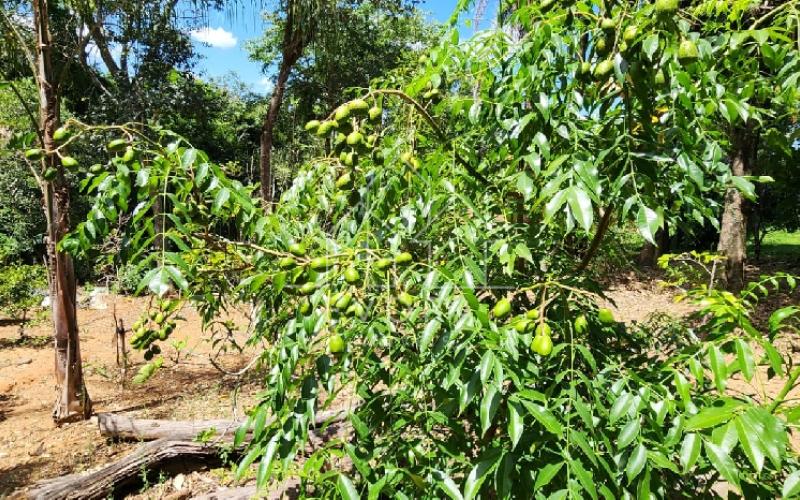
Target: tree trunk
{"points": [[733, 230], [72, 401], [294, 42], [649, 254]]}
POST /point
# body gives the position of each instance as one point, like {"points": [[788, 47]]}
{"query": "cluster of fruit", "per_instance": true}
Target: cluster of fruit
{"points": [[61, 135], [606, 41], [345, 302], [531, 321], [158, 324]]}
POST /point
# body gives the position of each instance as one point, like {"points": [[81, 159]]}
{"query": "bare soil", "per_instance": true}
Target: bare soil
{"points": [[32, 449]]}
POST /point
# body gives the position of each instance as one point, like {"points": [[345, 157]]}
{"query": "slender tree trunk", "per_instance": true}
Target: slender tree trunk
{"points": [[649, 254], [733, 230], [294, 42], [72, 401]]}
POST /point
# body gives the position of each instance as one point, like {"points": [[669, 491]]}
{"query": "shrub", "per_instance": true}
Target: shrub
{"points": [[22, 288]]}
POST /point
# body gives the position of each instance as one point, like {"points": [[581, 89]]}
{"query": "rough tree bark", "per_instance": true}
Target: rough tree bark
{"points": [[72, 401], [294, 43], [733, 230]]}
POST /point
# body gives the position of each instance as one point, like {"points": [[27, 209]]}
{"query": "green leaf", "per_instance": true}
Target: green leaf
{"points": [[476, 477], [722, 462], [346, 488], [584, 476], [489, 407], [712, 416], [621, 407], [745, 356], [525, 186], [718, 367], [266, 463], [220, 199], [486, 365], [751, 444], [636, 462], [447, 484], [428, 333], [546, 474], [746, 187], [628, 434], [516, 423], [544, 417], [690, 451], [648, 222], [791, 487], [248, 459], [581, 207], [650, 45]]}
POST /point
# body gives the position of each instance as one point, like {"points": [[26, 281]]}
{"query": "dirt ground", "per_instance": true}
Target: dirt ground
{"points": [[31, 449]]}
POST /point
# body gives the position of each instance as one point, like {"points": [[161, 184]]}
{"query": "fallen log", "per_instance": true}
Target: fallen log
{"points": [[112, 480]]}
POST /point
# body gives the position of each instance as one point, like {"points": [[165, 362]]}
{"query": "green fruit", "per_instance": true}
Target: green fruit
{"points": [[664, 7], [375, 113], [431, 94], [377, 157], [608, 24], [307, 288], [117, 145], [358, 105], [50, 174], [605, 316], [543, 329], [603, 69], [406, 299], [502, 308], [336, 344], [406, 157], [287, 263], [312, 125], [129, 154], [342, 112], [521, 325], [344, 301], [355, 138], [159, 318], [305, 307], [297, 249], [687, 52], [69, 162], [581, 324], [320, 264], [343, 156], [403, 258], [585, 68], [660, 78], [96, 168], [384, 263], [351, 275], [355, 310], [542, 345], [61, 134], [326, 127], [345, 181], [629, 35], [532, 314], [351, 159], [546, 4], [34, 154], [602, 46]]}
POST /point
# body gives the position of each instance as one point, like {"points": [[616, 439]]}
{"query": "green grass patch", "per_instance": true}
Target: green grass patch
{"points": [[781, 245]]}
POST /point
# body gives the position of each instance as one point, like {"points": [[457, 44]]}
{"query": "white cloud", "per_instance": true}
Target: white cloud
{"points": [[267, 85], [216, 37]]}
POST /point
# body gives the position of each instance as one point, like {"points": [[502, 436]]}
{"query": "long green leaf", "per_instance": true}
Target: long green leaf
{"points": [[346, 488], [690, 451], [722, 462]]}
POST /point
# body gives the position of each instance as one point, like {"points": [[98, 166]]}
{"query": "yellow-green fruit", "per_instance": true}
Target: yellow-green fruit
{"points": [[351, 159], [687, 52], [61, 134], [297, 249], [336, 344], [312, 125], [355, 138], [344, 301], [546, 4], [343, 156], [666, 6], [287, 263], [543, 329], [660, 78], [403, 258], [345, 181], [326, 127], [581, 324], [358, 105], [320, 263], [383, 263], [351, 275], [69, 162], [629, 35], [342, 112], [602, 46], [585, 68], [50, 174], [406, 299], [307, 288], [406, 156], [605, 316], [521, 325], [117, 145], [604, 68], [502, 308], [375, 113], [414, 162], [305, 307], [355, 310], [34, 154], [431, 94], [129, 154], [542, 345], [532, 314], [608, 24], [96, 168], [159, 318]]}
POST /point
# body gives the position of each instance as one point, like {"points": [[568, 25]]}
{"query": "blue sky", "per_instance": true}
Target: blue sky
{"points": [[226, 35]]}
